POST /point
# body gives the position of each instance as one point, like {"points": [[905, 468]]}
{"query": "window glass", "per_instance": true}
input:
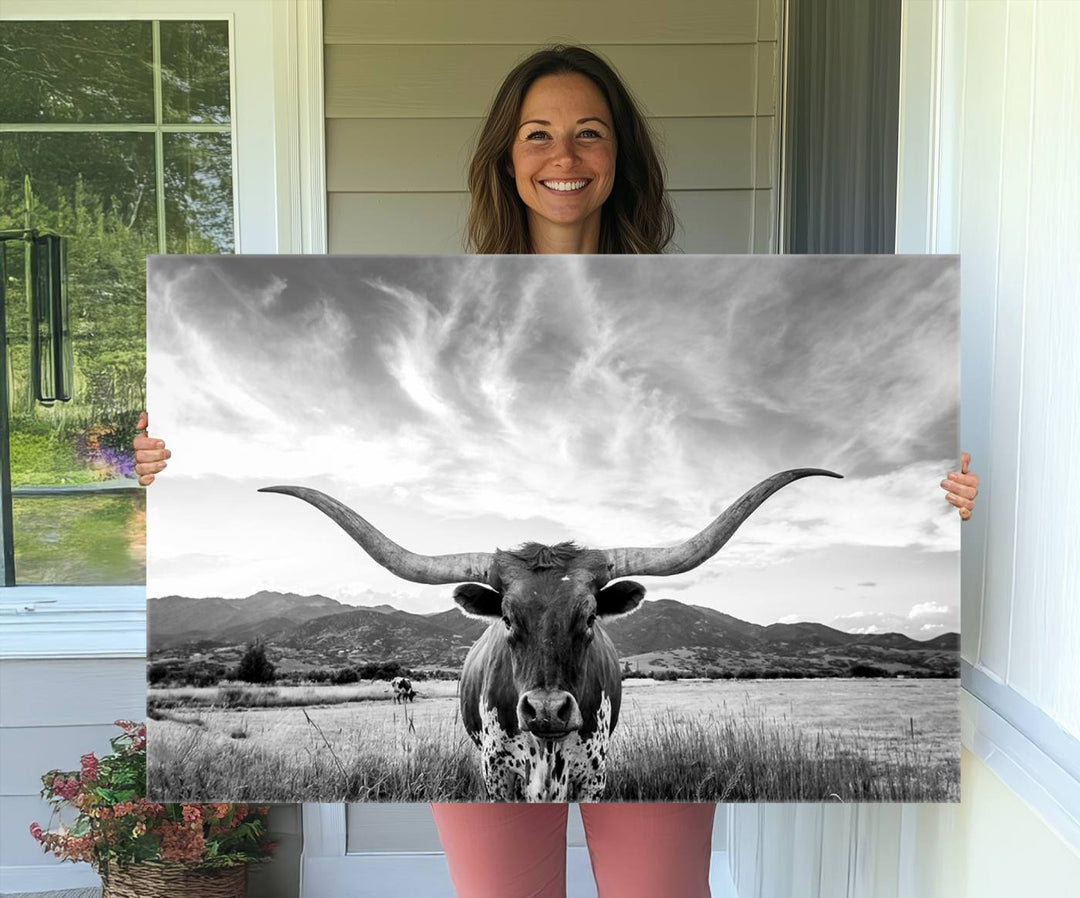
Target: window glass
{"points": [[59, 72], [83, 539], [195, 71], [121, 184], [198, 193]]}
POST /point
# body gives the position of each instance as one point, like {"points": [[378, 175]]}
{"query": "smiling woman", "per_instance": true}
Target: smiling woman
{"points": [[563, 116], [563, 160]]}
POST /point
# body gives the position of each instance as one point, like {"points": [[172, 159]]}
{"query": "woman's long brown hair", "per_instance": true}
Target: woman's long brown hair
{"points": [[637, 217]]}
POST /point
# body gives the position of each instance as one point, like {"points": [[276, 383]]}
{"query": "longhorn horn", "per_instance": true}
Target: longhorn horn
{"points": [[700, 548], [466, 567]]}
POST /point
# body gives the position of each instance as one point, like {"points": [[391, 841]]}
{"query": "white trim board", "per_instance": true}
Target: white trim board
{"points": [[39, 622], [301, 126], [1056, 743], [1023, 766]]}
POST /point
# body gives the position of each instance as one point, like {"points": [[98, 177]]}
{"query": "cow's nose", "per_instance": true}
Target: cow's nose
{"points": [[549, 712]]}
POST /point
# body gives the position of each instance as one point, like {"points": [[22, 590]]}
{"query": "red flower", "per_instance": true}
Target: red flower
{"points": [[125, 831], [89, 768], [66, 789], [181, 841], [150, 808]]}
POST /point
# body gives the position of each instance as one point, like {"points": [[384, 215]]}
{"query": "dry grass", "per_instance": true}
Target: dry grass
{"points": [[675, 742], [243, 695]]}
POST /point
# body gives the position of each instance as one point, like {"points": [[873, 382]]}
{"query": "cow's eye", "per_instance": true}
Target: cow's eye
{"points": [[590, 621], [507, 624]]}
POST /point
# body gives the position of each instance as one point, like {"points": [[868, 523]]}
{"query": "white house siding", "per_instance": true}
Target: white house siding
{"points": [[54, 711]]}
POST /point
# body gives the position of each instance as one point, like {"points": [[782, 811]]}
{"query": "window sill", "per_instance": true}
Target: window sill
{"points": [[1047, 783], [73, 622]]}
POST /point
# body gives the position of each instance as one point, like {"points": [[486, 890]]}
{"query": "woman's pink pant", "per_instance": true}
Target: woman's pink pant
{"points": [[519, 850]]}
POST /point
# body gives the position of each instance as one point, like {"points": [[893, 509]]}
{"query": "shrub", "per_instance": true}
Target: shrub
{"points": [[255, 667], [116, 825]]}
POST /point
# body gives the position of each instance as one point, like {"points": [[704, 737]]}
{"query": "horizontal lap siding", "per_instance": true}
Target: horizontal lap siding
{"points": [[408, 83], [717, 221], [524, 22], [53, 712], [28, 752], [441, 81], [61, 693], [379, 155]]}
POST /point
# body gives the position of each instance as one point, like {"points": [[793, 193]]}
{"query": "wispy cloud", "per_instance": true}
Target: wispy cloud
{"points": [[616, 401]]}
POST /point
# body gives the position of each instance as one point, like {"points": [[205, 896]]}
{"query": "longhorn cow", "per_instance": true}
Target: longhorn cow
{"points": [[541, 688], [403, 691]]}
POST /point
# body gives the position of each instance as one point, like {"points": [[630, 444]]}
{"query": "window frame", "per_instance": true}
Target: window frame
{"points": [[276, 89]]}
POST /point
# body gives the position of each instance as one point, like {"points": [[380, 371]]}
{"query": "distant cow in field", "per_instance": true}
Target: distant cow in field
{"points": [[403, 691], [541, 688]]}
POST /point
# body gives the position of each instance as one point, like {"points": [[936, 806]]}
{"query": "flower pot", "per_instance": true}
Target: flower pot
{"points": [[174, 881]]}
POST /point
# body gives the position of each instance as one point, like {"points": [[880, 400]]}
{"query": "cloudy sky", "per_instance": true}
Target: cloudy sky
{"points": [[464, 403]]}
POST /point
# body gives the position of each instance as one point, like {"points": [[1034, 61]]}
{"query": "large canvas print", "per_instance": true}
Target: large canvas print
{"points": [[553, 528]]}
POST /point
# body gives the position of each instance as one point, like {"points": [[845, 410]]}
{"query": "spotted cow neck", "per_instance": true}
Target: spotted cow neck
{"points": [[520, 767]]}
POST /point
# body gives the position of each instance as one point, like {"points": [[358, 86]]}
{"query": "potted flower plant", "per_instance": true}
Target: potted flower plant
{"points": [[140, 847]]}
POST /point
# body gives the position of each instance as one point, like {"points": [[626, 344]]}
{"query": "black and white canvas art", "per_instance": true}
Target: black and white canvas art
{"points": [[554, 528]]}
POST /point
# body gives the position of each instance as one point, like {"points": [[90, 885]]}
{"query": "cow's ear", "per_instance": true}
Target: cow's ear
{"points": [[478, 601], [619, 598]]}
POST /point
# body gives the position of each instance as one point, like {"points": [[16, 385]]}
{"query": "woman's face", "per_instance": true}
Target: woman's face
{"points": [[563, 154]]}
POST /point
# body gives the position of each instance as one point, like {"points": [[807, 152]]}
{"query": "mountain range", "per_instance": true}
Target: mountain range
{"points": [[661, 633]]}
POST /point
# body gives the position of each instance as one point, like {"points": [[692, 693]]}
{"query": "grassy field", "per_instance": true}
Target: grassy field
{"points": [[687, 740]]}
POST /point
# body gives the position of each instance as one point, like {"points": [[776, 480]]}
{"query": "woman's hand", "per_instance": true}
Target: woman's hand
{"points": [[961, 487], [150, 454]]}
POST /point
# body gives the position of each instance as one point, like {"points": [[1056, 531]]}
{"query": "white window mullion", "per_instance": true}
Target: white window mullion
{"points": [[159, 138]]}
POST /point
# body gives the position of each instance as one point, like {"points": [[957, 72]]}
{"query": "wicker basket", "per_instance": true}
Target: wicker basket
{"points": [[174, 881]]}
